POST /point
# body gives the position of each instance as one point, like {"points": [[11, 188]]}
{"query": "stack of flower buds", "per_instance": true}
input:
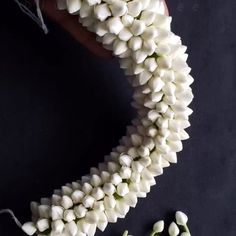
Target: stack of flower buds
{"points": [[154, 60]]}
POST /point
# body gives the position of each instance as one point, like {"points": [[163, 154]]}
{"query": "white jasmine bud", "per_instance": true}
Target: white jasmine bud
{"points": [[173, 137], [102, 223], [72, 228], [98, 206], [96, 180], [57, 226], [46, 201], [87, 188], [85, 10], [83, 226], [144, 76], [175, 146], [137, 69], [181, 218], [57, 212], [119, 47], [144, 186], [156, 169], [115, 25], [149, 34], [153, 115], [111, 216], [113, 167], [108, 39], [169, 89], [56, 200], [149, 46], [29, 228], [105, 176], [148, 17], [178, 107], [92, 230], [66, 202], [125, 172], [122, 208], [168, 76], [179, 64], [102, 11], [69, 215], [139, 56], [150, 64], [158, 227], [131, 199], [135, 176], [116, 179], [73, 6], [77, 196], [183, 135], [151, 131], [173, 229], [93, 2], [34, 208], [42, 224], [171, 157], [127, 20], [88, 201], [134, 187], [92, 217], [109, 202], [44, 211], [156, 84], [122, 189], [162, 107], [162, 49], [135, 43], [109, 189], [136, 139], [138, 27], [77, 186], [80, 211], [125, 160], [164, 62], [134, 8], [143, 151], [146, 174], [125, 34], [137, 166], [125, 63], [98, 193], [118, 8]]}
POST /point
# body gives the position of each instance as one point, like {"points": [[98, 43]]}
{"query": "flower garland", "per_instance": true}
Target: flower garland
{"points": [[154, 59]]}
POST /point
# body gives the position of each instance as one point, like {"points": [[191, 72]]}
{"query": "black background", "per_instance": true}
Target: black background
{"points": [[62, 110]]}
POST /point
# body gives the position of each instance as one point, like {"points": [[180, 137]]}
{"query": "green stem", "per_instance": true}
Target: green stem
{"points": [[187, 229], [154, 233]]}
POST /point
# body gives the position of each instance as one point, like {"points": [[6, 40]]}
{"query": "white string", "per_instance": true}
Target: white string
{"points": [[38, 19], [10, 212], [40, 16]]}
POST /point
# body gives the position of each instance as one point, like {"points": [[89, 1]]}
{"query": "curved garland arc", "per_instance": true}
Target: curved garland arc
{"points": [[154, 60]]}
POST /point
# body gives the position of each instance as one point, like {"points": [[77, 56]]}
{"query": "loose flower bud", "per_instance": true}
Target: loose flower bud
{"points": [[173, 229], [181, 218], [29, 228], [158, 227]]}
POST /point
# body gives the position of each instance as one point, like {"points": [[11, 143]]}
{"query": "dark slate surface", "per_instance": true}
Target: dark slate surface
{"points": [[62, 109]]}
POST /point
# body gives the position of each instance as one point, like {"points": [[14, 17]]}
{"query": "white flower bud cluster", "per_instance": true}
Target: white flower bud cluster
{"points": [[153, 57]]}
